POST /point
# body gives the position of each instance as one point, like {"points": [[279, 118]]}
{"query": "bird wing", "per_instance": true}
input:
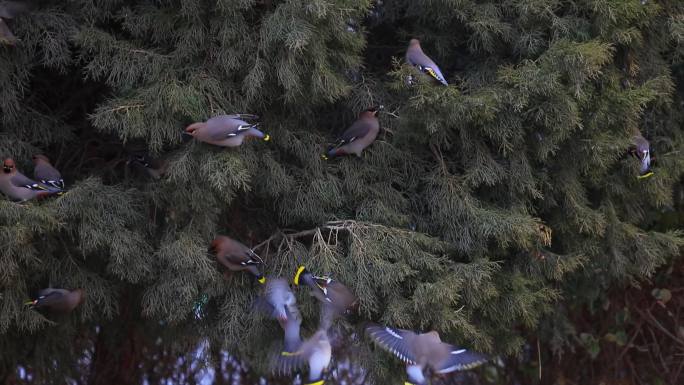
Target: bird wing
{"points": [[247, 258], [12, 9], [21, 180], [341, 297], [288, 362], [242, 116], [434, 72], [225, 126], [460, 359], [48, 175], [418, 58], [47, 297], [359, 129], [395, 341]]}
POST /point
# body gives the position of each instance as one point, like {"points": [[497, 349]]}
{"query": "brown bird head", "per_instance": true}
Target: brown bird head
{"points": [[414, 42], [8, 166], [371, 112], [38, 158], [217, 245], [193, 128], [81, 295]]}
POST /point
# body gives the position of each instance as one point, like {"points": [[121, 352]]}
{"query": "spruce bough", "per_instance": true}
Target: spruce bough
{"points": [[480, 209]]}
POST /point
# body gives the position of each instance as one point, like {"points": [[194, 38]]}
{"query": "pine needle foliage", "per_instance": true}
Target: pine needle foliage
{"points": [[486, 210]]}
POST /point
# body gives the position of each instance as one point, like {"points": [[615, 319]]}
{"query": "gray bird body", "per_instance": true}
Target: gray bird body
{"points": [[9, 10], [643, 152], [361, 134], [225, 130], [417, 58], [278, 295], [59, 300], [236, 256], [19, 187], [279, 302], [292, 327], [329, 292], [45, 173], [316, 352], [423, 351]]}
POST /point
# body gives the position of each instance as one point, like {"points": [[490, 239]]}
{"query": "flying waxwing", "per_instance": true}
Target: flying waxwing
{"points": [[328, 291], [643, 153], [316, 352], [155, 168], [236, 256], [46, 173], [359, 136], [18, 187], [9, 10], [279, 302], [226, 130], [423, 351], [58, 300], [417, 58]]}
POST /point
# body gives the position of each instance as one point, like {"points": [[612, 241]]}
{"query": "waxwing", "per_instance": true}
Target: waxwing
{"points": [[155, 168], [226, 130], [328, 291], [279, 302], [643, 153], [58, 300], [316, 352], [358, 136], [236, 256], [423, 351], [417, 58], [18, 187], [45, 173]]}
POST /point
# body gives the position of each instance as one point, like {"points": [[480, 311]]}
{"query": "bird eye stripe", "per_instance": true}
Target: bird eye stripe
{"points": [[458, 351]]}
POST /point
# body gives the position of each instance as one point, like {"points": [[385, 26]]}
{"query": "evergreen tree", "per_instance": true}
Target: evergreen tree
{"points": [[487, 210]]}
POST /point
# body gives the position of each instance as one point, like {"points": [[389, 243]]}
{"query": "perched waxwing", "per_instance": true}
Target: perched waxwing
{"points": [[226, 130], [643, 153], [279, 302], [236, 256], [155, 168], [328, 291], [18, 187], [358, 136], [316, 352], [423, 351], [417, 58], [9, 10], [58, 300], [45, 173]]}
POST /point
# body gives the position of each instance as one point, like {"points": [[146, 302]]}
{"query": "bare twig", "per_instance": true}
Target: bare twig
{"points": [[125, 107], [649, 317]]}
